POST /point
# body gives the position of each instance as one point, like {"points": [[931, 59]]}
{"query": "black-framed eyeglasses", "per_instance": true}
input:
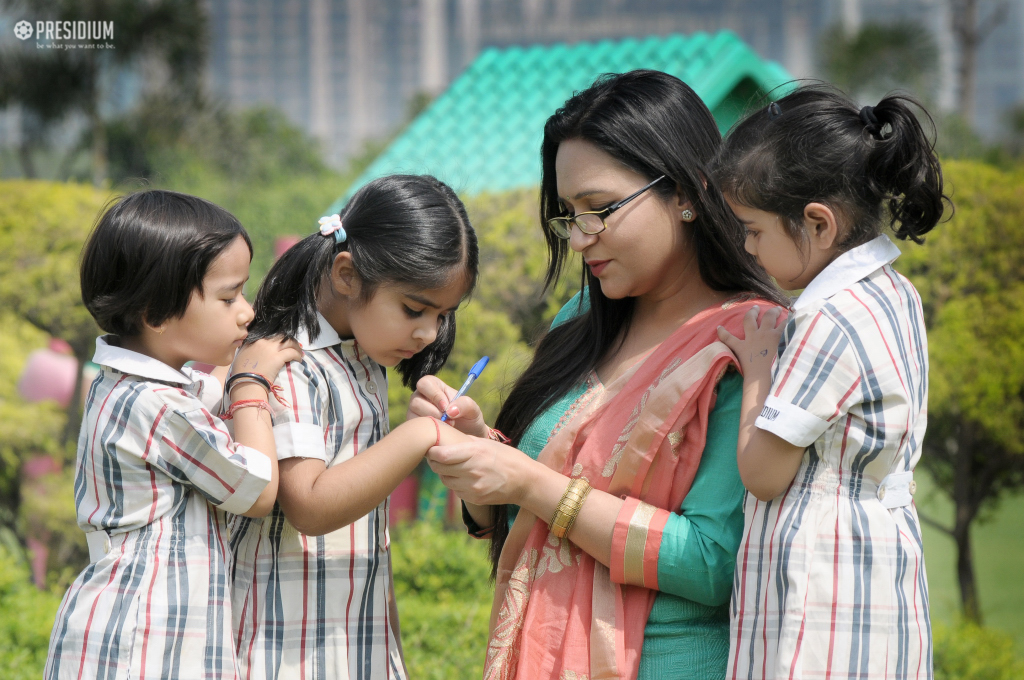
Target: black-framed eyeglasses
{"points": [[591, 222]]}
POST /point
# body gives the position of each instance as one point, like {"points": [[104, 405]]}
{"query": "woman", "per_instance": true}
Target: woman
{"points": [[626, 420]]}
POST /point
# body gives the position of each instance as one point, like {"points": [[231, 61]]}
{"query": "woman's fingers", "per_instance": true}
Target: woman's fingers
{"points": [[450, 454]]}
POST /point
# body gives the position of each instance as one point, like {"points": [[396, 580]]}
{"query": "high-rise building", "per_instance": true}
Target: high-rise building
{"points": [[345, 70]]}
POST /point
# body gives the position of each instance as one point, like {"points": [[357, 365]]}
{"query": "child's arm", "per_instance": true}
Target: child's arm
{"points": [[317, 499], [254, 426], [431, 398], [767, 462]]}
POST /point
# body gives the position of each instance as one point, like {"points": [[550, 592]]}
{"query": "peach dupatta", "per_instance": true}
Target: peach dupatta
{"points": [[558, 614]]}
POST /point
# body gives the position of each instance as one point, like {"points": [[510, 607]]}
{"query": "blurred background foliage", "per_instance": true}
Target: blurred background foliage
{"points": [[272, 176]]}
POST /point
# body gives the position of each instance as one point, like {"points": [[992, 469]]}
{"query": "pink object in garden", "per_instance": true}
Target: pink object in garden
{"points": [[40, 553], [49, 374], [405, 499], [31, 471], [283, 243]]}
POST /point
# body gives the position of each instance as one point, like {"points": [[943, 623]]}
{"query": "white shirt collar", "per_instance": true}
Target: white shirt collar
{"points": [[848, 269], [328, 336], [133, 363]]}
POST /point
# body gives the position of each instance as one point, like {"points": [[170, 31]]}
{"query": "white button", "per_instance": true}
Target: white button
{"points": [[881, 493], [371, 387], [913, 487]]}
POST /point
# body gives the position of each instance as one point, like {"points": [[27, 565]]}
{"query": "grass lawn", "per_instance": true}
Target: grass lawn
{"points": [[998, 562]]}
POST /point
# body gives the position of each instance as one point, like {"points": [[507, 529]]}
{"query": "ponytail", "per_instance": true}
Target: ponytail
{"points": [[904, 168], [409, 230], [815, 145], [286, 301]]}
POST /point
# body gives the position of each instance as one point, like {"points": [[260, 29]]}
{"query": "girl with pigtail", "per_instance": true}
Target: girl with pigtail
{"points": [[830, 578], [376, 286]]}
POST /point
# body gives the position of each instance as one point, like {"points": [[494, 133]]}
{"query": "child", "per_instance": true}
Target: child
{"points": [[163, 273], [377, 286], [830, 578]]}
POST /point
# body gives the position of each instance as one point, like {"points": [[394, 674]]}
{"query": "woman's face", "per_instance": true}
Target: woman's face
{"points": [[645, 250]]}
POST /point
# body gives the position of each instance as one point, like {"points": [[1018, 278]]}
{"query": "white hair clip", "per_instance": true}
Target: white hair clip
{"points": [[331, 224]]}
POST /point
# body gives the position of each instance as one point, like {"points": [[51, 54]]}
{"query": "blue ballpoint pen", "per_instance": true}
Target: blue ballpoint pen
{"points": [[474, 373]]}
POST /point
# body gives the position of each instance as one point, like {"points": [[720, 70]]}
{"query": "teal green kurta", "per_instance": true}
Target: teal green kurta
{"points": [[687, 634]]}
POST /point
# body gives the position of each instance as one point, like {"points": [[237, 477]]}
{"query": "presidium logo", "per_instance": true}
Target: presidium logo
{"points": [[60, 31]]}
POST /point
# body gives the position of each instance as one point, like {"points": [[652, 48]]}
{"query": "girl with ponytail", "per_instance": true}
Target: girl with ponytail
{"points": [[830, 578], [375, 286]]}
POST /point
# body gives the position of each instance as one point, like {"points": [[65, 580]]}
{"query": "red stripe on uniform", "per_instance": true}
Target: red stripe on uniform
{"points": [[199, 465], [792, 363], [149, 601], [305, 604]]}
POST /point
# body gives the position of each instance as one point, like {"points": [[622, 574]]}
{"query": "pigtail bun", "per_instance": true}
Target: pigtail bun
{"points": [[286, 301], [903, 168]]}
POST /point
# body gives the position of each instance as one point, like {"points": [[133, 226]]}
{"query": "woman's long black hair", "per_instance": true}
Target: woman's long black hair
{"points": [[653, 124], [402, 229], [816, 145]]}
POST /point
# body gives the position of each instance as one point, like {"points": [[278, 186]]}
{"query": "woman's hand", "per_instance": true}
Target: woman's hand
{"points": [[432, 397], [266, 357], [481, 471]]}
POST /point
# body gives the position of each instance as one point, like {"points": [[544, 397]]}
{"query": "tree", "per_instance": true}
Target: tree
{"points": [[879, 58], [42, 229], [52, 84], [970, 32], [970, 274]]}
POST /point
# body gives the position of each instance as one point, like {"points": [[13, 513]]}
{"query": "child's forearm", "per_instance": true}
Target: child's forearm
{"points": [[254, 428], [318, 500], [767, 463]]}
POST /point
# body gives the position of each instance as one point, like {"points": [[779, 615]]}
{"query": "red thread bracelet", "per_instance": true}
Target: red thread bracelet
{"points": [[497, 435], [437, 426], [246, 403]]}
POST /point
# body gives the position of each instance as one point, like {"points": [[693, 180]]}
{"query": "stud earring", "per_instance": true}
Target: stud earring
{"points": [[688, 215]]}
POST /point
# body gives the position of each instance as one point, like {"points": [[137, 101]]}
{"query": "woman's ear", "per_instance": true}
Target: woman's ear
{"points": [[684, 208], [821, 225], [344, 278]]}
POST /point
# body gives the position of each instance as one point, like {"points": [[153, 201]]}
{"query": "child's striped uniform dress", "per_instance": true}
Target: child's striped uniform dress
{"points": [[156, 471], [320, 607], [830, 579]]}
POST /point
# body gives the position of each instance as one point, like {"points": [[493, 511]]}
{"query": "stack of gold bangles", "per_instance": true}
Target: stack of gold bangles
{"points": [[569, 507]]}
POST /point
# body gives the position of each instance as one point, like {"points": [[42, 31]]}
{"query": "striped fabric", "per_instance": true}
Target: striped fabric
{"points": [[316, 607], [155, 471], [830, 579]]}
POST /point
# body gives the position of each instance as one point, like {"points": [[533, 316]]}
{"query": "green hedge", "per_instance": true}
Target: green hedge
{"points": [[26, 615], [443, 588]]}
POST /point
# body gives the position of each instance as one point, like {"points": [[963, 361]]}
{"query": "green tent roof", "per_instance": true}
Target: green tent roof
{"points": [[484, 132]]}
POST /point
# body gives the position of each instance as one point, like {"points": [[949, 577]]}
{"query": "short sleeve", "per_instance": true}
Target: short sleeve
{"points": [[299, 430], [817, 379], [197, 450]]}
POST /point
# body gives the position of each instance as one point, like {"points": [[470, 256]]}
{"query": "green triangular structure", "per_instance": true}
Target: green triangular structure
{"points": [[483, 133]]}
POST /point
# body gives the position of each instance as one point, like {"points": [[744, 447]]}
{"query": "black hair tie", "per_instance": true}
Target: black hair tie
{"points": [[774, 111], [870, 120]]}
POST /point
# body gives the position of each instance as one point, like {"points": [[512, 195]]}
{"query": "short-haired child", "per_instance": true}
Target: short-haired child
{"points": [[156, 468]]}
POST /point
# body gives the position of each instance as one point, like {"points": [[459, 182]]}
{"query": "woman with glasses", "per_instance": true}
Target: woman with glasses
{"points": [[623, 480]]}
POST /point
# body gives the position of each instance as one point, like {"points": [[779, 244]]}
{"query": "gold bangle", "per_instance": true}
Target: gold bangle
{"points": [[569, 507]]}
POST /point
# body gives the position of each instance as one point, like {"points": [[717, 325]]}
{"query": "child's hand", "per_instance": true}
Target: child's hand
{"points": [[266, 357], [757, 349], [432, 397]]}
